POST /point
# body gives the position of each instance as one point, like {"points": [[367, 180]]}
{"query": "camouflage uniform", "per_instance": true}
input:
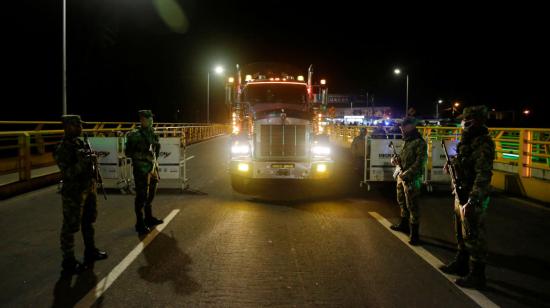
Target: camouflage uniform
{"points": [[139, 144], [474, 164], [413, 160], [79, 197]]}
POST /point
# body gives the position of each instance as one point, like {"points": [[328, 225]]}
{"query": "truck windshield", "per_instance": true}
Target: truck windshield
{"points": [[275, 93]]}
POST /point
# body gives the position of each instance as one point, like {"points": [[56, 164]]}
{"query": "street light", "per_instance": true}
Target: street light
{"points": [[439, 102], [455, 107], [397, 71], [218, 70]]}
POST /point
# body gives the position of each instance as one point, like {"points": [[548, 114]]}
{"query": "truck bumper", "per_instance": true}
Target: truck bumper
{"points": [[282, 170]]}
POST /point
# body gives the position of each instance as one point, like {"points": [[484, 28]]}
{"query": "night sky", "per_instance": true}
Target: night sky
{"points": [[124, 56]]}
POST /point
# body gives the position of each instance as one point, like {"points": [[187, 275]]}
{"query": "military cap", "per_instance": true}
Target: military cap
{"points": [[475, 112], [71, 119], [146, 113], [409, 121]]}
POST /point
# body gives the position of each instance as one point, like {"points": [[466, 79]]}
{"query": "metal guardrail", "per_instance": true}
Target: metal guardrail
{"points": [[525, 151], [25, 145]]}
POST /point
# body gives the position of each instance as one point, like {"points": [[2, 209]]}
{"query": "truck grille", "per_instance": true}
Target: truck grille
{"points": [[283, 140]]}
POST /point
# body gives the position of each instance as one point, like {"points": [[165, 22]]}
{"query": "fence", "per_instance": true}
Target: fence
{"points": [[522, 154], [26, 145]]}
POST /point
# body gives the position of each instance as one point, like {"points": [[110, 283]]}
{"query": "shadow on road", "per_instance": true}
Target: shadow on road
{"points": [[522, 264], [67, 294], [518, 263], [168, 263], [518, 293], [177, 191]]}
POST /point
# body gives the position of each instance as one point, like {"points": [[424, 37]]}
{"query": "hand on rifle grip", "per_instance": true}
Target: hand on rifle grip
{"points": [[446, 167], [395, 160]]}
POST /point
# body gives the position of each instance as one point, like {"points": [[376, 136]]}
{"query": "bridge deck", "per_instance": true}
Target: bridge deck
{"points": [[294, 245]]}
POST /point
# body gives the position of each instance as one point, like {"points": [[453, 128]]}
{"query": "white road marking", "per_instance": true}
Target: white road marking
{"points": [[190, 157], [105, 283], [475, 295]]}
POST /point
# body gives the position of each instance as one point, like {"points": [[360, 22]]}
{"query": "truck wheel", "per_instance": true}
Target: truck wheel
{"points": [[238, 183]]}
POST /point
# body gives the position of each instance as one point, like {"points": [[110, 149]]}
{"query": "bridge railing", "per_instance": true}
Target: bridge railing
{"points": [[521, 151], [28, 145]]}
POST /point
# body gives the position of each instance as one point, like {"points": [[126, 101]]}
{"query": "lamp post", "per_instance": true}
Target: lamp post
{"points": [[218, 70], [397, 71], [64, 91]]}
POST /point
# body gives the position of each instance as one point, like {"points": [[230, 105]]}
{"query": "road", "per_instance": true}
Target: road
{"points": [[288, 244]]}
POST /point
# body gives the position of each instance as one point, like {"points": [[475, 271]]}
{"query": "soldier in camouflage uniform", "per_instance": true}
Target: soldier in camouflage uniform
{"points": [[142, 145], [78, 195], [474, 164], [409, 181]]}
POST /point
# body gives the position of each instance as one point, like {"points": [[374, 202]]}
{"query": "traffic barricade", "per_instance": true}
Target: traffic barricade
{"points": [[433, 173], [377, 166], [172, 162], [114, 166]]}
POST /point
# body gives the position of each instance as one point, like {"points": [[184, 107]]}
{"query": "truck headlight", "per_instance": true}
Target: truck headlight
{"points": [[320, 150], [240, 149], [321, 168], [243, 167]]}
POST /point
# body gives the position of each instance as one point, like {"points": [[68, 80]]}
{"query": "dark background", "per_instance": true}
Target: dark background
{"points": [[122, 56]]}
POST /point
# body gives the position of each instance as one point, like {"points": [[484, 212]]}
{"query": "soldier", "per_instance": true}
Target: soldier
{"points": [[78, 194], [412, 160], [474, 164], [142, 145], [358, 150]]}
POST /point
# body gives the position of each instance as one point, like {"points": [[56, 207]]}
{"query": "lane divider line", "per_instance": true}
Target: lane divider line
{"points": [[474, 295], [89, 299], [190, 157]]}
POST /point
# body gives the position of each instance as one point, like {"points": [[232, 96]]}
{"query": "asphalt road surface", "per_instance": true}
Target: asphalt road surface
{"points": [[289, 244]]}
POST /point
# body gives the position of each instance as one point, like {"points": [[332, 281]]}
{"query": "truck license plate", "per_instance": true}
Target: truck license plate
{"points": [[283, 172], [282, 166]]}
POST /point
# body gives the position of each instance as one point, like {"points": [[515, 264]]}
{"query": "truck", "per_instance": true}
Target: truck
{"points": [[276, 127]]}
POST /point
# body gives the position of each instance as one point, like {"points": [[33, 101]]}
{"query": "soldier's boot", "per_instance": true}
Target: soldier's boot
{"points": [[402, 226], [150, 220], [141, 227], [70, 266], [475, 278], [414, 236], [459, 266], [93, 254]]}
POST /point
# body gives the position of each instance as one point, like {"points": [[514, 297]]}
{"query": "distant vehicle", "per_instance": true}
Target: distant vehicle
{"points": [[439, 122]]}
